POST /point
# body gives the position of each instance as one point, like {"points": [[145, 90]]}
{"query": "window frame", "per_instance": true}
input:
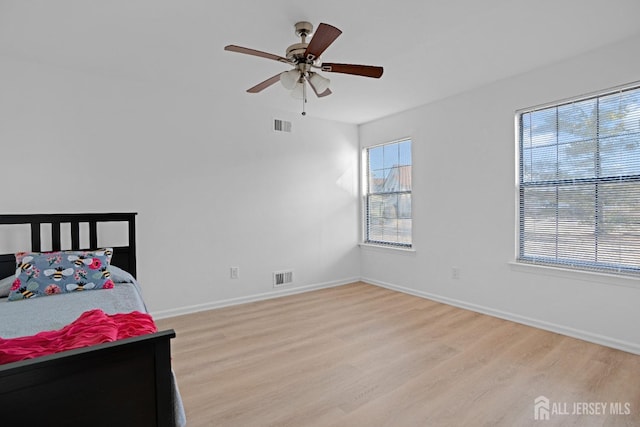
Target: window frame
{"points": [[366, 240], [573, 265]]}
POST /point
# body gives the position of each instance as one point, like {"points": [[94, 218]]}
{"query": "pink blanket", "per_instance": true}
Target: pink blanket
{"points": [[92, 327]]}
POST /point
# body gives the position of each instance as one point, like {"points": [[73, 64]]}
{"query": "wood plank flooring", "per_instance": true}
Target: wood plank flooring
{"points": [[360, 355]]}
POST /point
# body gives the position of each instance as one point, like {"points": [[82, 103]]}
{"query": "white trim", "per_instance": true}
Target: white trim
{"points": [[393, 141], [372, 246], [627, 346], [516, 187], [276, 293], [604, 278], [572, 99]]}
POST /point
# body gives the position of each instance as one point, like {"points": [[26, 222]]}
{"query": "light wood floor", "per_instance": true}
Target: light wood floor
{"points": [[360, 355]]}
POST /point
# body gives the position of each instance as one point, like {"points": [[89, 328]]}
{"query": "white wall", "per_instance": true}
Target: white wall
{"points": [[214, 186], [464, 207]]}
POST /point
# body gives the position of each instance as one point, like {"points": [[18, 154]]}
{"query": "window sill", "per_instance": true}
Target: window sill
{"points": [[583, 275], [398, 249]]}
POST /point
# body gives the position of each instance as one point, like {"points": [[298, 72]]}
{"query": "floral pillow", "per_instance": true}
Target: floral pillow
{"points": [[50, 273]]}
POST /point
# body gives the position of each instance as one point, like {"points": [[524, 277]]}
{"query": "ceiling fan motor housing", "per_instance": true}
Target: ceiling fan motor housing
{"points": [[296, 51]]}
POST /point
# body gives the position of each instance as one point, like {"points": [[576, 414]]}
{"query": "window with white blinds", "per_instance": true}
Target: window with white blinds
{"points": [[388, 194], [579, 183]]}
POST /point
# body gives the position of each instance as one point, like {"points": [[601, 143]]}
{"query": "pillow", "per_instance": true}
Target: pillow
{"points": [[50, 273], [119, 275], [5, 286]]}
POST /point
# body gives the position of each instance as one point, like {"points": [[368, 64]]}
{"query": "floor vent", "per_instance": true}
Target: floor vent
{"points": [[281, 278], [281, 126]]}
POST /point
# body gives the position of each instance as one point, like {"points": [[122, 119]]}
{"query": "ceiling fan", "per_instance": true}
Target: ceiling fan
{"points": [[305, 59]]}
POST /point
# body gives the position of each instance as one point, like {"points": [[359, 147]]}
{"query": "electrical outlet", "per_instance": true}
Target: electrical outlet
{"points": [[455, 273], [234, 272]]}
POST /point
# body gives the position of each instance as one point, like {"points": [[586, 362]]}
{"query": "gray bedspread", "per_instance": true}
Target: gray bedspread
{"points": [[49, 313]]}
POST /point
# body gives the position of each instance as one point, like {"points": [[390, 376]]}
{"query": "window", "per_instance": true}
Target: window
{"points": [[388, 194], [579, 183]]}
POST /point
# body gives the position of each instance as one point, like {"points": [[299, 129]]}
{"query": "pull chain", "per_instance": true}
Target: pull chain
{"points": [[304, 97]]}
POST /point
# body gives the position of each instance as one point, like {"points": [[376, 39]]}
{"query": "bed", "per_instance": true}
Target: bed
{"points": [[124, 382]]}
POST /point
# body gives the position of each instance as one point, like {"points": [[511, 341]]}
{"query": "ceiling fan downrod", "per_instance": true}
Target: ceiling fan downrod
{"points": [[303, 30]]}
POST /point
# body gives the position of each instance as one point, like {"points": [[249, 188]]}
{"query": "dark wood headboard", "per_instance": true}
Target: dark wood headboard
{"points": [[123, 256]]}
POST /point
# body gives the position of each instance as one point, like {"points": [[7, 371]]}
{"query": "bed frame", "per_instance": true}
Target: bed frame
{"points": [[122, 383]]}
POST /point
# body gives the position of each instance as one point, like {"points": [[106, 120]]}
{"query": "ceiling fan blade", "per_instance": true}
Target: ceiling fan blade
{"points": [[322, 38], [265, 84], [358, 70], [247, 51], [326, 92]]}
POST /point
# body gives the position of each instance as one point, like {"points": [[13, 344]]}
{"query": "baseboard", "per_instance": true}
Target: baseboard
{"points": [[276, 293], [536, 323]]}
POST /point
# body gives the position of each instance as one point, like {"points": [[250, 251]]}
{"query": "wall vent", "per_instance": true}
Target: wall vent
{"points": [[281, 126], [281, 278]]}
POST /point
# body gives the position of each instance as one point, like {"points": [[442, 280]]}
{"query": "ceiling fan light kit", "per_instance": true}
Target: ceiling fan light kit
{"points": [[304, 57], [290, 78], [319, 82]]}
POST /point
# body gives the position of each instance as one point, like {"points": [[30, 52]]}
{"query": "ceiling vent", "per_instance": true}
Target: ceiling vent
{"points": [[281, 126]]}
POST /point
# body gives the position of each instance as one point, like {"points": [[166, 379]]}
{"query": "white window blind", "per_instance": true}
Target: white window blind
{"points": [[388, 194], [579, 183]]}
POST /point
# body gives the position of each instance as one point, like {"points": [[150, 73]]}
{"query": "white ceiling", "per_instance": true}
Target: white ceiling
{"points": [[429, 49]]}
